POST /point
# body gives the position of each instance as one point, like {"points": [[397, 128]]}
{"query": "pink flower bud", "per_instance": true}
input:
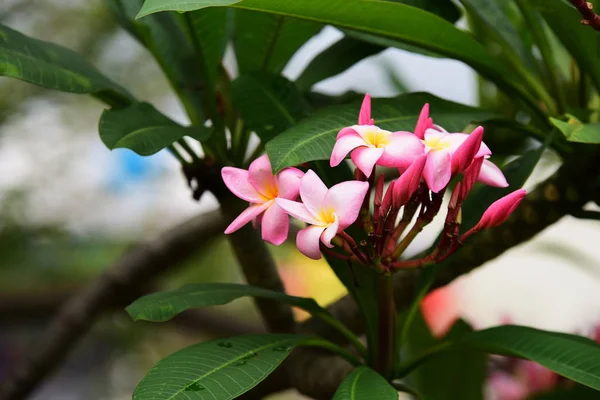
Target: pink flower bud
{"points": [[408, 182], [424, 122], [470, 177], [465, 153], [364, 116]]}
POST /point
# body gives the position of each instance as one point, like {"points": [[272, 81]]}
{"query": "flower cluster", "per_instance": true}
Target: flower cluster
{"points": [[427, 160]]}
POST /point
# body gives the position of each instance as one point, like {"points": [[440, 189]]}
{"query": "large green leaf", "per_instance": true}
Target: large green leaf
{"points": [[143, 129], [336, 59], [387, 19], [313, 138], [581, 41], [444, 8], [220, 369], [55, 67], [268, 103], [266, 42], [576, 131], [573, 357], [365, 384], [165, 305], [458, 374]]}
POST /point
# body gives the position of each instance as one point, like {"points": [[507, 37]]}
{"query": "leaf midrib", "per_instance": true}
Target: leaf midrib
{"points": [[355, 382]]}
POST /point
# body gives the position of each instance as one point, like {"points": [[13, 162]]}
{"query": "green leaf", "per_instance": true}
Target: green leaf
{"points": [[143, 129], [571, 356], [457, 374], [266, 42], [391, 20], [54, 67], [268, 103], [336, 59], [163, 306], [444, 8], [583, 43], [576, 131], [364, 383], [220, 369], [313, 138], [572, 393]]}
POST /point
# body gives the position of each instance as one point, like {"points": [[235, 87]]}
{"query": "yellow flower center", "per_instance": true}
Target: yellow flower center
{"points": [[377, 138], [269, 192], [326, 217], [435, 143]]}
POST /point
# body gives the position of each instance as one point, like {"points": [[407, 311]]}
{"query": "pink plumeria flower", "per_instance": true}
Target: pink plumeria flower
{"points": [[328, 211], [261, 188], [371, 145]]}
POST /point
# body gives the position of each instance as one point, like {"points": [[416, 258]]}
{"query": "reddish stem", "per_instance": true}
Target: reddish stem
{"points": [[586, 9]]}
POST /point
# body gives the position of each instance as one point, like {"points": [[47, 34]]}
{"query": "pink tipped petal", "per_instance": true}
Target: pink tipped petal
{"points": [[330, 232], [275, 225], [288, 183], [432, 134], [465, 153], [296, 210], [261, 176], [236, 180], [455, 140], [408, 182], [343, 146], [364, 117], [307, 241], [440, 310], [423, 122], [246, 216], [365, 158], [346, 131], [500, 210], [345, 199], [402, 150], [470, 178], [312, 192], [438, 169], [491, 175]]}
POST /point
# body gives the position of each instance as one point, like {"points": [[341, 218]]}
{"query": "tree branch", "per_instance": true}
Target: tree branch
{"points": [[119, 284], [586, 9]]}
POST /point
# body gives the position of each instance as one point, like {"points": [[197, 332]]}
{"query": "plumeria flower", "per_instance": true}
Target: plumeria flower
{"points": [[260, 187], [328, 211], [372, 145]]}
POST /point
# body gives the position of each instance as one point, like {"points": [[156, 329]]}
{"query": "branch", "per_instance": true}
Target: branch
{"points": [[586, 9], [119, 284]]}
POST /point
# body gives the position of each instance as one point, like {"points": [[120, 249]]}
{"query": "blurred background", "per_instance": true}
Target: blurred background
{"points": [[69, 208]]}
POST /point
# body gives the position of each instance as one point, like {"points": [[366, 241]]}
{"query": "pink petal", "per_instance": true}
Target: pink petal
{"points": [[365, 158], [455, 140], [465, 153], [236, 180], [346, 131], [345, 199], [247, 215], [440, 310], [432, 134], [343, 146], [257, 221], [470, 177], [491, 175], [507, 387], [312, 192], [403, 149], [364, 117], [275, 225], [500, 210], [408, 182], [423, 122], [438, 169], [330, 232], [288, 183], [308, 241], [261, 176], [296, 210]]}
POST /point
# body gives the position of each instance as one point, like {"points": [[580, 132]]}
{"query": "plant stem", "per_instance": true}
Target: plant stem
{"points": [[412, 364], [189, 150], [384, 361], [329, 319], [177, 155], [324, 344]]}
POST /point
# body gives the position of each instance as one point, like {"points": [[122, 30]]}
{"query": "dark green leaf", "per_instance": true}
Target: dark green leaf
{"points": [[573, 357], [336, 59], [444, 8], [266, 42], [365, 384], [165, 305], [268, 103], [570, 393], [576, 131], [583, 43], [457, 374], [313, 138], [55, 67], [143, 129], [220, 369]]}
